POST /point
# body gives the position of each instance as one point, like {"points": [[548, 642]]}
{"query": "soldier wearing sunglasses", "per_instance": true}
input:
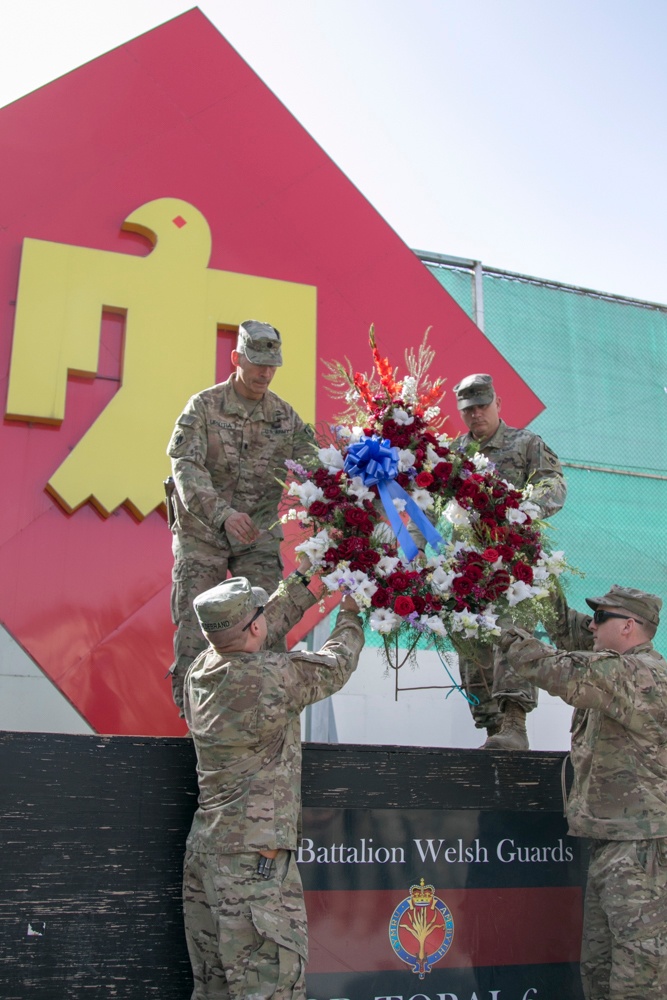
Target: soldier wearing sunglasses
{"points": [[607, 669]]}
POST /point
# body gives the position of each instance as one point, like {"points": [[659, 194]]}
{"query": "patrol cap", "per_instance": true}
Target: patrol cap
{"points": [[636, 602], [474, 390], [260, 342], [227, 604]]}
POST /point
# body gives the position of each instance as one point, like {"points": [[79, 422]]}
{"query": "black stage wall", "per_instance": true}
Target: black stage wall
{"points": [[93, 831]]}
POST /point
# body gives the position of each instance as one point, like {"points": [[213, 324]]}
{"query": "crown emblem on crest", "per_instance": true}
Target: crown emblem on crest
{"points": [[421, 928], [422, 895]]}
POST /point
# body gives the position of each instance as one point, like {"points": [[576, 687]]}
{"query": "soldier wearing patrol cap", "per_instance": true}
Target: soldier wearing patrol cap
{"points": [[243, 903], [605, 666], [520, 457], [227, 452]]}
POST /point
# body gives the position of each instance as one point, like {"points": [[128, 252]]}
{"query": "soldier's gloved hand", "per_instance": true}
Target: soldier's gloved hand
{"points": [[512, 634], [241, 527]]}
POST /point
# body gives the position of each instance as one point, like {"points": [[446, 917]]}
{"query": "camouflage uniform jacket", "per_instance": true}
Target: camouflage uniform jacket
{"points": [[520, 456], [225, 459], [243, 712], [619, 727]]}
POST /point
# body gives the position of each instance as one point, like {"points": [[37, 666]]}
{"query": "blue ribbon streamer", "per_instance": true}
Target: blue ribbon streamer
{"points": [[375, 460]]}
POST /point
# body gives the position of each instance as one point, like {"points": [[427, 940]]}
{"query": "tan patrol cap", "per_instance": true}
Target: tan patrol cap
{"points": [[474, 390], [228, 603], [636, 602], [260, 343]]}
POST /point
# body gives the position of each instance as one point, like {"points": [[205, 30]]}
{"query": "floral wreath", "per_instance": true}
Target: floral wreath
{"points": [[387, 463]]}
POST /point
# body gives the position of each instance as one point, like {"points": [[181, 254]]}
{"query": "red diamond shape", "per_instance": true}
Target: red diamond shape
{"points": [[88, 597]]}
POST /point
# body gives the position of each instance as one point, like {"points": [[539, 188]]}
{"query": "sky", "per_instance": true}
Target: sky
{"points": [[527, 134]]}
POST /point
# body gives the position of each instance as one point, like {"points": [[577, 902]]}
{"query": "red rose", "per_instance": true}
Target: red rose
{"points": [[474, 573], [350, 546], [332, 492], [359, 519], [443, 470], [462, 585], [381, 598], [403, 605], [364, 560], [498, 584], [419, 603], [398, 580], [522, 571], [331, 556], [501, 511], [318, 509], [424, 480], [507, 552], [480, 501], [490, 555], [403, 479], [320, 477]]}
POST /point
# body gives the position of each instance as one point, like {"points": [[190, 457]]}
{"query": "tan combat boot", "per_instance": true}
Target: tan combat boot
{"points": [[512, 735]]}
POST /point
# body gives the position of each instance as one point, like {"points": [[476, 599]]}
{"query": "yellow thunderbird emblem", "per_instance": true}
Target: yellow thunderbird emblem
{"points": [[173, 306]]}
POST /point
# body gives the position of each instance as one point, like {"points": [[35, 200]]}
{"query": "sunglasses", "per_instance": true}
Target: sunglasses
{"points": [[258, 612], [600, 616]]}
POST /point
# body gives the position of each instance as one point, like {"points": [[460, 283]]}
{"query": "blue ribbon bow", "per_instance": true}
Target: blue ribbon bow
{"points": [[375, 460]]}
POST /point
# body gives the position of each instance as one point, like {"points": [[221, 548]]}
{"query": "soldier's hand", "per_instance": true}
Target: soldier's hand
{"points": [[349, 604], [241, 527], [510, 635]]}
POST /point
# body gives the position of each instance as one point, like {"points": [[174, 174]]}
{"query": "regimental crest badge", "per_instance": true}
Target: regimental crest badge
{"points": [[421, 929]]}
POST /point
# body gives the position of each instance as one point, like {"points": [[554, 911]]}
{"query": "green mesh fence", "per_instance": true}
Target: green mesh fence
{"points": [[600, 367]]}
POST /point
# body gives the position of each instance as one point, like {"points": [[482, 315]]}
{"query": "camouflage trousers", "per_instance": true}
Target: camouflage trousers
{"points": [[246, 935], [624, 948], [198, 566], [484, 676]]}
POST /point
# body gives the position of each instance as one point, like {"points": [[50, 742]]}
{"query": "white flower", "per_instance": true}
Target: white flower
{"points": [[480, 461], [409, 390], [332, 458], [343, 433], [531, 509], [540, 572], [517, 592], [464, 621], [441, 582], [423, 499], [383, 620], [361, 587], [336, 579], [386, 566], [433, 624], [356, 435], [488, 623], [352, 395], [444, 440], [455, 514], [399, 503], [406, 459], [306, 492], [315, 547], [402, 417], [515, 516], [431, 413], [356, 488], [555, 562], [432, 457]]}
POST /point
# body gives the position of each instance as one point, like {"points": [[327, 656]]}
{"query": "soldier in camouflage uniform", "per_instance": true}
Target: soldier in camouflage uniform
{"points": [[606, 667], [520, 457], [229, 445], [245, 916]]}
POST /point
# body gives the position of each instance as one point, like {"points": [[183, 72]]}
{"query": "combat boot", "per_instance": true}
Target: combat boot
{"points": [[512, 735]]}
